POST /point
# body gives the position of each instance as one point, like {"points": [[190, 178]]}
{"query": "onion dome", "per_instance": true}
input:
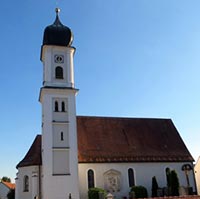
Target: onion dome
{"points": [[57, 34]]}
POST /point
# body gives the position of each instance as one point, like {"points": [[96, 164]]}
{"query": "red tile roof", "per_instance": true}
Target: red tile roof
{"points": [[9, 185], [33, 157], [110, 139]]}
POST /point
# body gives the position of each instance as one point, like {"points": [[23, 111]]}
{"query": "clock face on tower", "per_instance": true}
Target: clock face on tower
{"points": [[59, 58]]}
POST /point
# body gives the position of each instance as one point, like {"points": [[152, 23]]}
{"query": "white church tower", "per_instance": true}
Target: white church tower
{"points": [[57, 96]]}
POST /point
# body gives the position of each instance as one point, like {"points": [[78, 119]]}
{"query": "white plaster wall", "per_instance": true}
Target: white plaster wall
{"points": [[58, 186], [61, 116], [31, 172], [49, 65], [57, 128], [4, 190], [197, 175], [61, 161], [143, 175]]}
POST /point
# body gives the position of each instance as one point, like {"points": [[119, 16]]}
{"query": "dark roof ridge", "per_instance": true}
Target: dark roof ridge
{"points": [[122, 117]]}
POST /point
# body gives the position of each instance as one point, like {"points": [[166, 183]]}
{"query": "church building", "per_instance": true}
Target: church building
{"points": [[75, 153]]}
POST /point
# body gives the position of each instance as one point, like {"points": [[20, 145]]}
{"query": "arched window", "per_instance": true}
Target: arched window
{"points": [[59, 72], [63, 106], [26, 183], [56, 106], [90, 179], [61, 136], [131, 178]]}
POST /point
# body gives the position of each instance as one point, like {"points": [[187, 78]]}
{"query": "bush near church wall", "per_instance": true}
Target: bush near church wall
{"points": [[94, 193], [139, 191]]}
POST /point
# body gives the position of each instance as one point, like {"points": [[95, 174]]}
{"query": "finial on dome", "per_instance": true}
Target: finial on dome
{"points": [[57, 10]]}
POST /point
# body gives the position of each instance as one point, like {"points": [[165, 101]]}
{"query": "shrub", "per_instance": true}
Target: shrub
{"points": [[93, 193], [140, 191], [11, 194]]}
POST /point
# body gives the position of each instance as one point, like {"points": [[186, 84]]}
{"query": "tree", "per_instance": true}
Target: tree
{"points": [[168, 172], [154, 187], [174, 183], [11, 194], [5, 179]]}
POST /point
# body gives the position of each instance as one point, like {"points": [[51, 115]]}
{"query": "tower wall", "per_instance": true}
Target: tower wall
{"points": [[59, 134]]}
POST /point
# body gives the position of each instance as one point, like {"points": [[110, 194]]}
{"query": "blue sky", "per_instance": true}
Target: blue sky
{"points": [[134, 58]]}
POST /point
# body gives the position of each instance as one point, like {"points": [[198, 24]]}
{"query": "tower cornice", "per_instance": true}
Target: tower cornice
{"points": [[57, 90]]}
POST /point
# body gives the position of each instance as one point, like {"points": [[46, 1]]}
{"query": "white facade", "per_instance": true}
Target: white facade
{"points": [[28, 182], [197, 175], [143, 173]]}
